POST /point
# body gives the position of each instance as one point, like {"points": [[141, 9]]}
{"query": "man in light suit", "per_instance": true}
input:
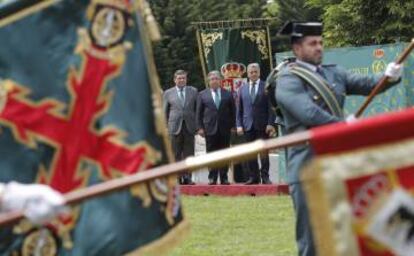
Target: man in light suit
{"points": [[215, 118], [180, 106], [254, 119]]}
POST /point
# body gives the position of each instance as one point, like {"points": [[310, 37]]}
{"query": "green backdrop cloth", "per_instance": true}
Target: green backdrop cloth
{"points": [[232, 44]]}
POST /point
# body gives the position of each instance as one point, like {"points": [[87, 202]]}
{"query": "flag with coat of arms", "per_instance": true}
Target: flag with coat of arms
{"points": [[80, 105]]}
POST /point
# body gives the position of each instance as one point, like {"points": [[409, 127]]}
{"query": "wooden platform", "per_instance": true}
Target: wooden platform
{"points": [[234, 190]]}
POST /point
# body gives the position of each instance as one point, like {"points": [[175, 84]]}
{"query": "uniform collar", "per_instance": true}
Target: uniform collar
{"points": [[308, 65]]}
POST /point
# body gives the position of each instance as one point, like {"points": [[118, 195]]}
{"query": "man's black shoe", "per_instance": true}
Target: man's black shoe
{"points": [[212, 182], [266, 181], [225, 182], [251, 182]]}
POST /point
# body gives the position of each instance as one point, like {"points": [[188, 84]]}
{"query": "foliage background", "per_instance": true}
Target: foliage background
{"points": [[347, 23]]}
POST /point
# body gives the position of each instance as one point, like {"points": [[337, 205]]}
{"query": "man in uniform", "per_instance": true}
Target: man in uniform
{"points": [[310, 94]]}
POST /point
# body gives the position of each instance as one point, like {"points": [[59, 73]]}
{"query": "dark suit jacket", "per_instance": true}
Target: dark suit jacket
{"points": [[176, 113], [214, 120], [255, 114]]}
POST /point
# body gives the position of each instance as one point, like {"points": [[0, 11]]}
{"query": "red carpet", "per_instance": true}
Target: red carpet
{"points": [[234, 190]]}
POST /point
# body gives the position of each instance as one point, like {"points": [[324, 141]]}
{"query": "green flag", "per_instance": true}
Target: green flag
{"points": [[78, 107], [229, 46]]}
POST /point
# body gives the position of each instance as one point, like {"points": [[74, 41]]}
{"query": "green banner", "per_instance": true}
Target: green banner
{"points": [[73, 73], [234, 42], [370, 60]]}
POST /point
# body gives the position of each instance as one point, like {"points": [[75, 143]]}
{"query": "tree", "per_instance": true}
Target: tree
{"points": [[175, 50], [289, 10], [365, 22], [346, 23], [178, 47]]}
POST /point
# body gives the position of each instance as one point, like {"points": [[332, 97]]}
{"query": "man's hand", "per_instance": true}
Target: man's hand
{"points": [[393, 71], [39, 203], [270, 130], [201, 132], [240, 131], [351, 119]]}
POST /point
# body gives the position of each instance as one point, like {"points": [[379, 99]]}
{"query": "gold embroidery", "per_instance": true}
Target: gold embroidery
{"points": [[378, 66], [324, 186], [5, 87], [163, 245], [258, 37], [115, 52], [27, 11], [208, 40], [39, 242], [164, 191]]}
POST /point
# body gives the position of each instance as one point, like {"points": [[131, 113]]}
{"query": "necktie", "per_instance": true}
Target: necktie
{"points": [[216, 98], [253, 91], [182, 96]]}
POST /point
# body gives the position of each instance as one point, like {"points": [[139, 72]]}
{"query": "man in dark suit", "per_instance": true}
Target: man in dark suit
{"points": [[254, 119], [179, 106], [215, 119]]}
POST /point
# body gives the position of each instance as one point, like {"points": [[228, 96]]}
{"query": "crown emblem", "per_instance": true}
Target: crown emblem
{"points": [[233, 70]]}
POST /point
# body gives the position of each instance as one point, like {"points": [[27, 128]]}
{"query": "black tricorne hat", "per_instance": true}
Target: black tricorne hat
{"points": [[301, 29]]}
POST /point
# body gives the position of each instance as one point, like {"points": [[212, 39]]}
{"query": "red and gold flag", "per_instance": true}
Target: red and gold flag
{"points": [[360, 187]]}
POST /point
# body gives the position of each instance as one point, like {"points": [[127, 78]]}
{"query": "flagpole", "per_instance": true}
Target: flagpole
{"points": [[381, 84], [217, 158]]}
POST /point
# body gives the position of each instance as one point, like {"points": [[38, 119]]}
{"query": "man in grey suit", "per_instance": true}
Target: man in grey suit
{"points": [[254, 120], [310, 94], [180, 106]]}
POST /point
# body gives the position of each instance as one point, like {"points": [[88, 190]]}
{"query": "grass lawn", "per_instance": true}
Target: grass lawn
{"points": [[258, 226]]}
